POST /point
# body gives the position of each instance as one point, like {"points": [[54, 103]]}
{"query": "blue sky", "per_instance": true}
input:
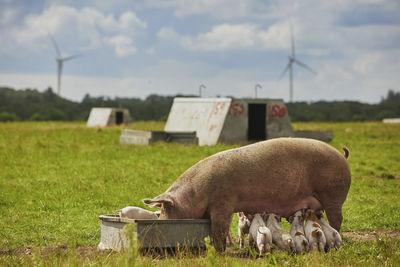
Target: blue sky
{"points": [[141, 47]]}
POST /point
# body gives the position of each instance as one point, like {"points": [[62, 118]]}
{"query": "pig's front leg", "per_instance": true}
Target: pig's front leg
{"points": [[220, 223]]}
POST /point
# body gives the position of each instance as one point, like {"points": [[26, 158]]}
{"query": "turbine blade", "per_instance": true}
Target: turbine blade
{"points": [[55, 45], [285, 70], [70, 57], [304, 66], [292, 39]]}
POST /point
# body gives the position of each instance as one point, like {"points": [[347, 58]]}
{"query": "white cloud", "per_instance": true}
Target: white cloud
{"points": [[221, 9], [168, 33], [378, 64], [128, 23], [84, 28], [150, 51], [276, 37], [227, 37], [365, 63], [7, 15], [122, 44]]}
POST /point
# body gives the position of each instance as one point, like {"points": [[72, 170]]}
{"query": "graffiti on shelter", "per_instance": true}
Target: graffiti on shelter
{"points": [[236, 108], [276, 111], [218, 108]]}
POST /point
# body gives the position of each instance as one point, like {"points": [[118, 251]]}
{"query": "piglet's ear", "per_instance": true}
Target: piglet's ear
{"points": [[249, 216], [319, 214], [264, 216], [159, 202]]}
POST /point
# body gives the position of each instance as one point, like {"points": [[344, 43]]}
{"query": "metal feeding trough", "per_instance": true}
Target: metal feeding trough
{"points": [[151, 234]]}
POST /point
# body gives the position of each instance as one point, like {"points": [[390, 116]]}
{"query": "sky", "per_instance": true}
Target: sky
{"points": [[134, 48]]}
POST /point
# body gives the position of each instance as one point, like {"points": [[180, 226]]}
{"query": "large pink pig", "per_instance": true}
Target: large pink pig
{"points": [[278, 176]]}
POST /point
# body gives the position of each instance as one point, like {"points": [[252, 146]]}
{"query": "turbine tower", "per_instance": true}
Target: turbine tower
{"points": [[60, 60], [292, 60]]}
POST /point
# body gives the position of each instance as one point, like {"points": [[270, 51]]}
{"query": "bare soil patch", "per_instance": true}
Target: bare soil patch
{"points": [[90, 252], [368, 236]]}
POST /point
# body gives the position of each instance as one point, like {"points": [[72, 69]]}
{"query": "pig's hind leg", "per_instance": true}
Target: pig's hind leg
{"points": [[335, 217], [332, 204]]}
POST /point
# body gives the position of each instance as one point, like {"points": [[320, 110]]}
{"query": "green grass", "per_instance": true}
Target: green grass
{"points": [[57, 178]]}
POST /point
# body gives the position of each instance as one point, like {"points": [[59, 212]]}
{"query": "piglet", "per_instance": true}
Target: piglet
{"points": [[259, 235], [243, 227], [313, 231], [279, 237], [297, 232], [136, 213], [333, 238]]}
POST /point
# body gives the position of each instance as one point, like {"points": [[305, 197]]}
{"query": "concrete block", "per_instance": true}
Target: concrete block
{"points": [[391, 120], [139, 137], [135, 137]]}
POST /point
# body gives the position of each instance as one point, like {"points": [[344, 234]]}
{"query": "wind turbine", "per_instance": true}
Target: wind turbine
{"points": [[60, 60], [292, 60]]}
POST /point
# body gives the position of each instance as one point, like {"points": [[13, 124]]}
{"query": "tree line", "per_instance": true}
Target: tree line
{"points": [[340, 111], [32, 105]]}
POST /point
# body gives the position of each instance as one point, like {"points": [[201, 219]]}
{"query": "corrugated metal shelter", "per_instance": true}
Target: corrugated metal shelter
{"points": [[102, 117], [229, 120]]}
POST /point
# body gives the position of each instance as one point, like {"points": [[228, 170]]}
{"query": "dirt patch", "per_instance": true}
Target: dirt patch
{"points": [[22, 251], [50, 251], [368, 236], [90, 252]]}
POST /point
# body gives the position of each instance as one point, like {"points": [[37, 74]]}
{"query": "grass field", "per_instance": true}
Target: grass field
{"points": [[57, 178]]}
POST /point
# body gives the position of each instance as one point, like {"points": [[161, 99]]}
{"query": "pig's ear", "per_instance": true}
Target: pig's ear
{"points": [[159, 202], [240, 214]]}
